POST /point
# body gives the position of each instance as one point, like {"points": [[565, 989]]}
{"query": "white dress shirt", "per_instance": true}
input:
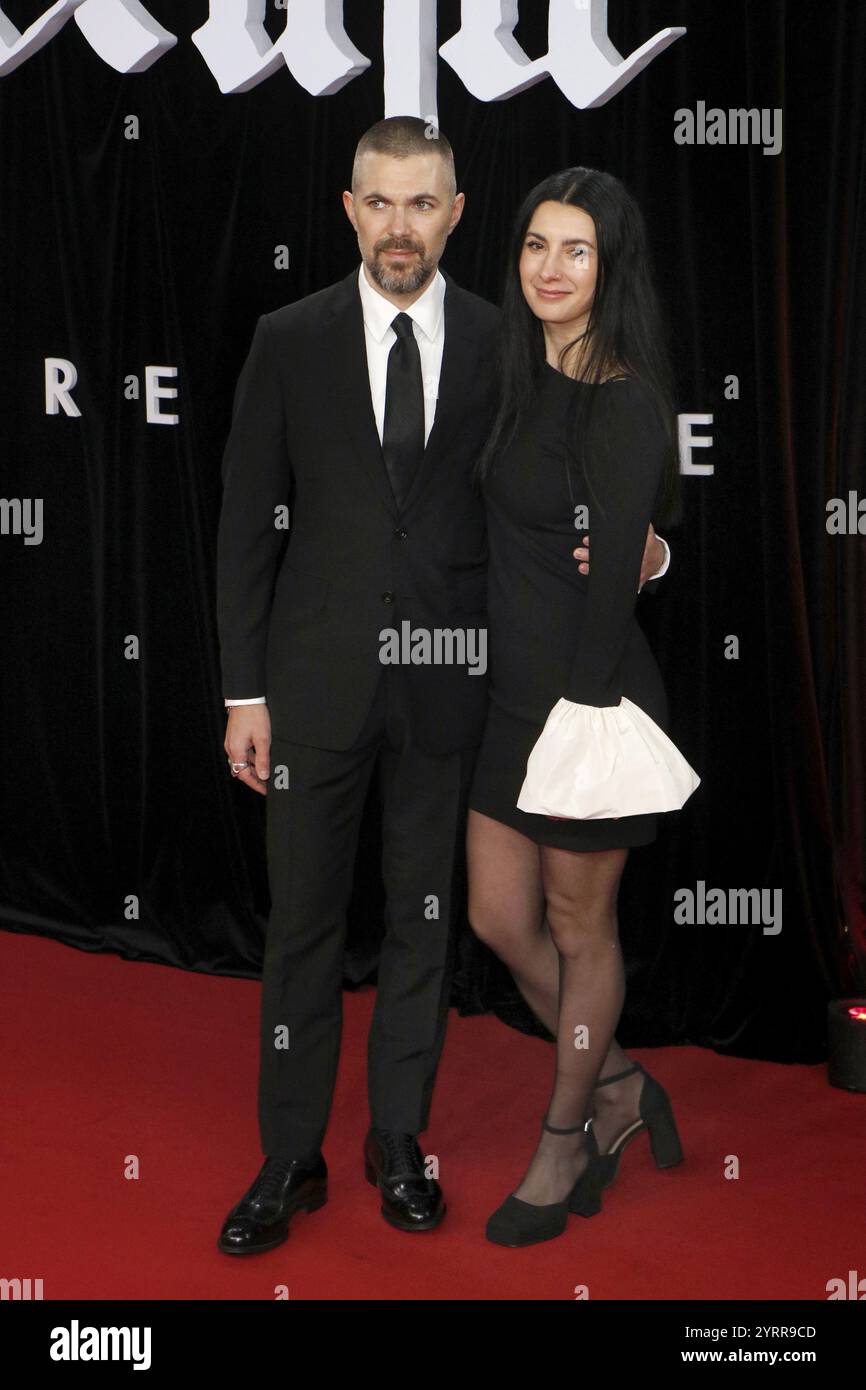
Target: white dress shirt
{"points": [[428, 315]]}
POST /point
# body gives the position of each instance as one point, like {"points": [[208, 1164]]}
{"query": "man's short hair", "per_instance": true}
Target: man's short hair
{"points": [[401, 136]]}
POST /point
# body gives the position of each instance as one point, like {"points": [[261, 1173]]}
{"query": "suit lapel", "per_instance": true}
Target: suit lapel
{"points": [[345, 330], [351, 381], [455, 380]]}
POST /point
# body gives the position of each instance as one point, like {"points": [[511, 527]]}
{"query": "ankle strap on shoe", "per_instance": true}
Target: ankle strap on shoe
{"points": [[621, 1075], [551, 1129]]}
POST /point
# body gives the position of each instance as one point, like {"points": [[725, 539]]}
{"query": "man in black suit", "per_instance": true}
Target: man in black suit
{"points": [[359, 414]]}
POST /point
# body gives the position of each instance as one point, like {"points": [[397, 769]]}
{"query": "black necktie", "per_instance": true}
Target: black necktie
{"points": [[403, 430]]}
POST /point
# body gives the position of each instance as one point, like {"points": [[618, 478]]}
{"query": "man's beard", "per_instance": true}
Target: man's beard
{"points": [[396, 281]]}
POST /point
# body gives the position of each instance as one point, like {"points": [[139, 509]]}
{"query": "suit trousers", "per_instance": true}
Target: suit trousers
{"points": [[312, 827]]}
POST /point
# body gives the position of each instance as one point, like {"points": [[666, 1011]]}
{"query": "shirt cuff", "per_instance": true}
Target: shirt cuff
{"points": [[594, 763], [665, 562], [256, 700]]}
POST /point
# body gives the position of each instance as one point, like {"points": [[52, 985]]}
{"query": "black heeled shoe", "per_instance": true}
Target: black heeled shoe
{"points": [[517, 1223], [656, 1115]]}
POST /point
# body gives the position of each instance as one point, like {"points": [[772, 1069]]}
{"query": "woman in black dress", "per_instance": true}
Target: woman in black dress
{"points": [[575, 762]]}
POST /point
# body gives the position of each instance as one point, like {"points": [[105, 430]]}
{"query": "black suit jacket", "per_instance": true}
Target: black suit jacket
{"points": [[300, 612]]}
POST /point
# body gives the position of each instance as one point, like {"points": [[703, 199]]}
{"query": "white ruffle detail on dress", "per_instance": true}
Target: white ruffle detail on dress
{"points": [[592, 762]]}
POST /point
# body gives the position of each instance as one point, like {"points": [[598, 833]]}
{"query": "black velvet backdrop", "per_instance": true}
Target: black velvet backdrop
{"points": [[120, 253]]}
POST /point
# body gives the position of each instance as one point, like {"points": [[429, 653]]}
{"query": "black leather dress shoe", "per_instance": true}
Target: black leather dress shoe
{"points": [[260, 1221], [394, 1163]]}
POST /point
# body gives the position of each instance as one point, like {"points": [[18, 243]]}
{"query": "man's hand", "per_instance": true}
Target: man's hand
{"points": [[653, 556], [248, 740]]}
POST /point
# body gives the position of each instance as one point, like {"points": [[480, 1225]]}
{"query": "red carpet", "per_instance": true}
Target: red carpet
{"points": [[104, 1058]]}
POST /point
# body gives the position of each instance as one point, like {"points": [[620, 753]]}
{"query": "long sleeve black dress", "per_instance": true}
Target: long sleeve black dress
{"points": [[554, 633]]}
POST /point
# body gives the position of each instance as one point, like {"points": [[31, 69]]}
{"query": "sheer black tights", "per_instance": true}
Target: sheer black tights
{"points": [[567, 963]]}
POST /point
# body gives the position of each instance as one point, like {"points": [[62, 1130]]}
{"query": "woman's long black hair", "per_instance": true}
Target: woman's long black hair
{"points": [[626, 330]]}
